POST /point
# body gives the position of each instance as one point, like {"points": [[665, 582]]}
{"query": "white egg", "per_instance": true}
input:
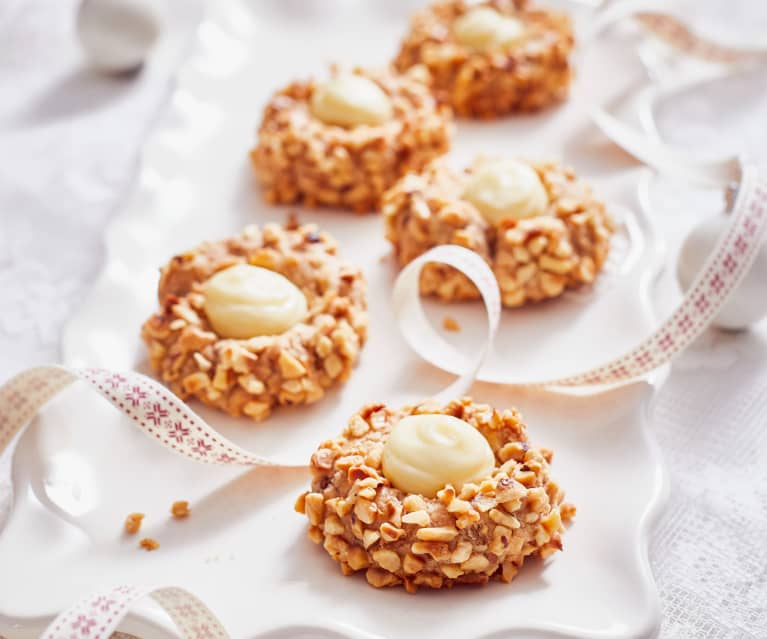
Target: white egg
{"points": [[117, 35], [748, 304]]}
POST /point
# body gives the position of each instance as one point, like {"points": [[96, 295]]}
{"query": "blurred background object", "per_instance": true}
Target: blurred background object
{"points": [[118, 35]]}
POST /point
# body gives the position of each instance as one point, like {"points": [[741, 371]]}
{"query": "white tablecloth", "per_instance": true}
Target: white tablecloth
{"points": [[68, 144]]}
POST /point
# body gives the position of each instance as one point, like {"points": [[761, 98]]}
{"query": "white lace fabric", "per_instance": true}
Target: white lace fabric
{"points": [[69, 141]]}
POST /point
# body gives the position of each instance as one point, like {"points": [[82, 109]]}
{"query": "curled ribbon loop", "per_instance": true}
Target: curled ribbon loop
{"points": [[417, 330]]}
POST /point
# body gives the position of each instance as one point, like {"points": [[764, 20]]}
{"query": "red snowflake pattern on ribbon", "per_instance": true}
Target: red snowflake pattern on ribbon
{"points": [[135, 396], [155, 412], [718, 278], [98, 616], [177, 431]]}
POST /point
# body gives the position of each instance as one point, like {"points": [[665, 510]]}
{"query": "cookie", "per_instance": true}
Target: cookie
{"points": [[343, 142], [380, 503], [538, 226], [304, 306], [491, 59]]}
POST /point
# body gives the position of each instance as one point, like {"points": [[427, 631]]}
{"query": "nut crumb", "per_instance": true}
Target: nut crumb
{"points": [[133, 523], [567, 511], [291, 221], [180, 509], [450, 324], [149, 544]]}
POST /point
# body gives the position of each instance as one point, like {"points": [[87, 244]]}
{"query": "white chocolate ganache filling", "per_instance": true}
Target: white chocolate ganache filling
{"points": [[426, 452], [506, 189], [484, 28], [245, 301], [350, 100]]}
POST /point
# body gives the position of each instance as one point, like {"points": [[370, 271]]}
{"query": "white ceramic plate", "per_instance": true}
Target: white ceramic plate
{"points": [[81, 468], [245, 553]]}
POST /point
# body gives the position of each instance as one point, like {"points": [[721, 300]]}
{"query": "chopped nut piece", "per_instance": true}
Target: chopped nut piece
{"points": [[333, 366], [436, 534], [451, 571], [133, 523], [380, 578], [413, 502], [290, 367], [315, 505], [475, 563], [417, 518], [567, 511], [315, 534], [450, 324], [387, 559], [370, 537], [462, 552], [149, 544], [180, 509], [357, 558], [413, 564], [552, 523], [333, 525], [366, 511], [390, 533]]}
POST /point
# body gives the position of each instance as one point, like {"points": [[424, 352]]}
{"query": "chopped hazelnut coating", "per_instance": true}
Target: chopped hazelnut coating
{"points": [[483, 530], [491, 58], [180, 509], [251, 376], [133, 523], [149, 544], [345, 141], [534, 258]]}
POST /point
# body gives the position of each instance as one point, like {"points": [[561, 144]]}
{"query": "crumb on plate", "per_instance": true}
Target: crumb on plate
{"points": [[133, 523], [180, 509], [148, 544], [451, 324]]}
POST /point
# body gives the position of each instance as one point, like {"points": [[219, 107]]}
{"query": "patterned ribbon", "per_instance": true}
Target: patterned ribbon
{"points": [[97, 616], [677, 34], [667, 22], [153, 408], [169, 421]]}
